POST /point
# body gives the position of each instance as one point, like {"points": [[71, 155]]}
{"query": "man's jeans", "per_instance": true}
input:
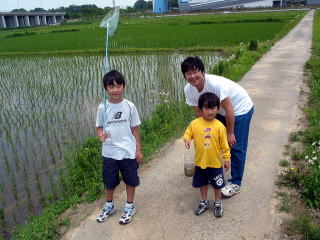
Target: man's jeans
{"points": [[239, 150]]}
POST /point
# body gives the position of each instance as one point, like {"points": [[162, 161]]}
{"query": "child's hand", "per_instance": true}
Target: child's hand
{"points": [[103, 136], [187, 143], [139, 156], [226, 165]]}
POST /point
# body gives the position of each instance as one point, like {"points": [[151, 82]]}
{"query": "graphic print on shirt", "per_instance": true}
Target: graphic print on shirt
{"points": [[117, 115], [207, 137], [116, 119]]}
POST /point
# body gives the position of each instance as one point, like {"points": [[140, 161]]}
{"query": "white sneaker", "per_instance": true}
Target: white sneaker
{"points": [[127, 215], [106, 212], [230, 189]]}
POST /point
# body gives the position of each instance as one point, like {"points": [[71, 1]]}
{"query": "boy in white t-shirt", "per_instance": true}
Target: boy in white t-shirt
{"points": [[117, 127]]}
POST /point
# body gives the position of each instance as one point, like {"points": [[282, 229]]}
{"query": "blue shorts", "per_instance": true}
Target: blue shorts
{"points": [[202, 177], [128, 169]]}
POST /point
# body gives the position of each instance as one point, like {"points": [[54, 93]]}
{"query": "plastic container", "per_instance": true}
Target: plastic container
{"points": [[188, 165]]}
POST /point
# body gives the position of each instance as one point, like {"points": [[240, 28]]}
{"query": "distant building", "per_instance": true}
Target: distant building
{"points": [[291, 3], [203, 5], [28, 19], [160, 6]]}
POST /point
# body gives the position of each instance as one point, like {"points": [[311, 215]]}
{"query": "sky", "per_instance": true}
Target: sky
{"points": [[8, 5]]}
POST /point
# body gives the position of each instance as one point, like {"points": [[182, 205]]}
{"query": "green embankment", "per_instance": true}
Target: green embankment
{"points": [[84, 186]]}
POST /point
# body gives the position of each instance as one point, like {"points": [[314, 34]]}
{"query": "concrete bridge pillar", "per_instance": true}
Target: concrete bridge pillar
{"points": [[26, 20], [37, 20], [2, 22], [15, 21], [54, 20], [44, 20]]}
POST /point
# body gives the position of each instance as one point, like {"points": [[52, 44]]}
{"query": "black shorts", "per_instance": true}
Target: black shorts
{"points": [[128, 169], [202, 177]]}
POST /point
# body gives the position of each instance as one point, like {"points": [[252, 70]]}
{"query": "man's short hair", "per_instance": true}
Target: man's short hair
{"points": [[192, 63], [209, 100], [112, 77]]}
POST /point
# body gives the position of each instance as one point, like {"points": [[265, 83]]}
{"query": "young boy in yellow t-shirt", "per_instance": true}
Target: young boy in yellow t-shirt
{"points": [[210, 142]]}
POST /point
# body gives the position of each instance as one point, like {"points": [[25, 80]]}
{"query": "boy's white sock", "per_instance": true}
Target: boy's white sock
{"points": [[109, 204], [129, 205]]}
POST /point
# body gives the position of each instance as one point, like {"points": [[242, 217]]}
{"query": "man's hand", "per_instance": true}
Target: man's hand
{"points": [[226, 165], [231, 139], [187, 143]]}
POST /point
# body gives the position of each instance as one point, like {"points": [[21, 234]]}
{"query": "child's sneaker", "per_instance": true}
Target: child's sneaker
{"points": [[203, 205], [127, 215], [230, 190], [107, 211], [218, 209]]}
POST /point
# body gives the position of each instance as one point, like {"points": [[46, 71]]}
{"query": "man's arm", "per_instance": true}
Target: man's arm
{"points": [[136, 134], [226, 104]]}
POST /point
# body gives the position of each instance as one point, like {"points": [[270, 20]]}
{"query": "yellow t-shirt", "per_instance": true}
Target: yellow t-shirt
{"points": [[210, 142]]}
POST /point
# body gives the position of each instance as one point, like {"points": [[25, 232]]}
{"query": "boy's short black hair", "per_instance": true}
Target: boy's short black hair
{"points": [[113, 77], [192, 63], [209, 100]]}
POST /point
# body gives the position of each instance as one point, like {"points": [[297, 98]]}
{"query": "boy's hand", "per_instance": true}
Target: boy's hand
{"points": [[187, 143], [226, 165], [103, 136], [139, 156]]}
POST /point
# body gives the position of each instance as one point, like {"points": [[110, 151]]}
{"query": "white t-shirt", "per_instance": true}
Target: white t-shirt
{"points": [[223, 88], [117, 120]]}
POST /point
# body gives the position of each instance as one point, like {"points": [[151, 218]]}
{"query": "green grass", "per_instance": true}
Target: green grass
{"points": [[305, 176], [302, 227], [284, 163], [183, 32]]}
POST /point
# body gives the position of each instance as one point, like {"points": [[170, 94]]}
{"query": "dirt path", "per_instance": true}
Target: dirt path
{"points": [[165, 200]]}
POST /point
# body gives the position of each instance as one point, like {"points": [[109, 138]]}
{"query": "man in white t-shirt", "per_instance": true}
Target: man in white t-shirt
{"points": [[235, 112]]}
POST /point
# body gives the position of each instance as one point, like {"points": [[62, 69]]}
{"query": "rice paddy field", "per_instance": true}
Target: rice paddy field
{"points": [[194, 31], [48, 103]]}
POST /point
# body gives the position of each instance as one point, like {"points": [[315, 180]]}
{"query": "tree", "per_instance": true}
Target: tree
{"points": [[173, 3], [142, 5], [38, 10], [19, 10]]}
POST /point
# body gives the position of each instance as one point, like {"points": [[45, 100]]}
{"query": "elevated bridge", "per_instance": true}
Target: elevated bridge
{"points": [[27, 19]]}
